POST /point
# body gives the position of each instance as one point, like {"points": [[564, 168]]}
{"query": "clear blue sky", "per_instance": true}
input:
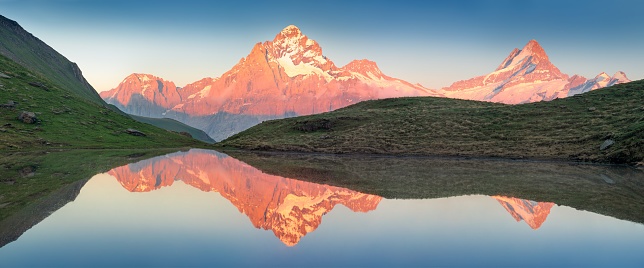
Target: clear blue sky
{"points": [[430, 42]]}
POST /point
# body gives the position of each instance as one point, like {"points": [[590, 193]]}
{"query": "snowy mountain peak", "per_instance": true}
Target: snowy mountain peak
{"points": [[291, 30], [291, 37], [604, 80], [621, 76], [297, 54], [526, 75], [290, 41], [139, 77], [602, 75], [532, 52], [146, 86], [364, 67], [535, 48]]}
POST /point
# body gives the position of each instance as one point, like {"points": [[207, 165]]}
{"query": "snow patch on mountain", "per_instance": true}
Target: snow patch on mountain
{"points": [[293, 70]]}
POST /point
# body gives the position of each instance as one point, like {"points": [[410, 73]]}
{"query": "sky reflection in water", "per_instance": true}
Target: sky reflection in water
{"points": [[202, 208]]}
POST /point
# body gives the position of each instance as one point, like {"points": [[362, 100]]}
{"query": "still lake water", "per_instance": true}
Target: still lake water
{"points": [[204, 208]]}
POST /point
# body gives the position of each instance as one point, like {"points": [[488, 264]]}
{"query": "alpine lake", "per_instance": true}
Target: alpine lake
{"points": [[203, 208]]}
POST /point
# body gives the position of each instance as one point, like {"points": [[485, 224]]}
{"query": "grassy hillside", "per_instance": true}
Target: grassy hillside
{"points": [[36, 56], [573, 128], [176, 126], [66, 119]]}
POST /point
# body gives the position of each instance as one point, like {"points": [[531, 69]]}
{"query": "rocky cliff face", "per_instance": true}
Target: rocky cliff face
{"points": [[527, 75], [145, 95], [288, 207], [531, 212], [287, 76]]}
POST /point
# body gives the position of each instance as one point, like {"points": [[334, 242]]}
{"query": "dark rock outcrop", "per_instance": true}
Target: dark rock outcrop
{"points": [[135, 132], [28, 117], [38, 84], [9, 105]]}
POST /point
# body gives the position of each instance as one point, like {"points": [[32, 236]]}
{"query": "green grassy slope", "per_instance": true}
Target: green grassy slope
{"points": [[176, 126], [572, 128], [36, 56], [68, 120]]}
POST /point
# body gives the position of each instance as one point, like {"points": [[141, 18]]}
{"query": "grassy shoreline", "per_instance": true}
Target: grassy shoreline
{"points": [[33, 184], [570, 129], [28, 176]]}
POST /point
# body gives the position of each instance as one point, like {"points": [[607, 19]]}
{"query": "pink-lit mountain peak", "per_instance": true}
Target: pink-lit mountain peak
{"points": [[620, 76], [289, 32], [142, 77], [364, 67], [535, 49], [291, 41], [531, 52], [291, 48], [527, 75]]}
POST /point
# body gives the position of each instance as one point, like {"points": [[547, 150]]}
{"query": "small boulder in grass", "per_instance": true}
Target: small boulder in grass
{"points": [[606, 144], [135, 132], [38, 84], [28, 117], [185, 134], [9, 105], [592, 109]]}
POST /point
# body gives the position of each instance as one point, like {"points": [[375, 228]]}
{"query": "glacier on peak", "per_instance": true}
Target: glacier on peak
{"points": [[527, 75]]}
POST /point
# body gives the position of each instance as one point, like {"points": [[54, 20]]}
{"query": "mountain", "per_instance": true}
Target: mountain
{"points": [[37, 81], [290, 208], [289, 76], [531, 212], [135, 91], [527, 75], [33, 54], [285, 77], [579, 84]]}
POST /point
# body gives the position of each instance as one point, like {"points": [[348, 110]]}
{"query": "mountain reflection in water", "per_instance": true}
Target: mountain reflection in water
{"points": [[290, 208], [533, 213]]}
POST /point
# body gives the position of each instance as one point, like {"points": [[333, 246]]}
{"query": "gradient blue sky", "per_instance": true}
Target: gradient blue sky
{"points": [[433, 43]]}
